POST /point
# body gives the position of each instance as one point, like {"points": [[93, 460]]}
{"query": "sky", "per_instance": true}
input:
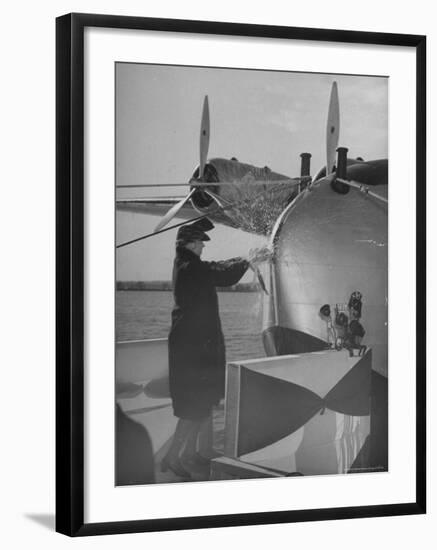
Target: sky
{"points": [[261, 117]]}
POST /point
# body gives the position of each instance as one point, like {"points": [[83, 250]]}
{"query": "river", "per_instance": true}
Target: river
{"points": [[146, 314]]}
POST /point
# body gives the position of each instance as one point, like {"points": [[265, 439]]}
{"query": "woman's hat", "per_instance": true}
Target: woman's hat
{"points": [[194, 232]]}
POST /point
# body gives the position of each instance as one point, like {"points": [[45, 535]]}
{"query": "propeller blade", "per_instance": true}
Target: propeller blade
{"points": [[204, 137], [173, 211], [332, 129]]}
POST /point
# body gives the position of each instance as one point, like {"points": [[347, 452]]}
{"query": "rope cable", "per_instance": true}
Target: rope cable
{"points": [[363, 188], [166, 229]]}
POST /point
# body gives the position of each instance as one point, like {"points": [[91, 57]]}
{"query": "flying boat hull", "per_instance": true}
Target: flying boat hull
{"points": [[328, 245]]}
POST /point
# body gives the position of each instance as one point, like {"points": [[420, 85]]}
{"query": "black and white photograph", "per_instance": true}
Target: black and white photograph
{"points": [[251, 274], [218, 275]]}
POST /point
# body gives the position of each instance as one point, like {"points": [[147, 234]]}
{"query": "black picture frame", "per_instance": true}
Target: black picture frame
{"points": [[70, 488]]}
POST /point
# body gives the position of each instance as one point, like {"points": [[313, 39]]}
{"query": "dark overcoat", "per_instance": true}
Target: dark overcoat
{"points": [[196, 344]]}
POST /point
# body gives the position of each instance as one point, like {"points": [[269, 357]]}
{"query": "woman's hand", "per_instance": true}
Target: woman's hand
{"points": [[259, 255]]}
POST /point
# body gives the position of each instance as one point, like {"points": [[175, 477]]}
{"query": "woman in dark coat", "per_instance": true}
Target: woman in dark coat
{"points": [[196, 344]]}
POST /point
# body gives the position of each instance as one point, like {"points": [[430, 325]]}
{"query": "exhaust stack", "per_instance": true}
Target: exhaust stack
{"points": [[305, 164], [340, 172]]}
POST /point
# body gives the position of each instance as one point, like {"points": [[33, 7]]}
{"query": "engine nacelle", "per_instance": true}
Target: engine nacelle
{"points": [[243, 195]]}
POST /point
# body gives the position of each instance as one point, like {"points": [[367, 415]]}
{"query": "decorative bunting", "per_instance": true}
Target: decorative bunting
{"points": [[271, 408]]}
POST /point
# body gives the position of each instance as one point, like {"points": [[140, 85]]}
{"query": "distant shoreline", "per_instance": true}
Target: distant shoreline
{"points": [[167, 286]]}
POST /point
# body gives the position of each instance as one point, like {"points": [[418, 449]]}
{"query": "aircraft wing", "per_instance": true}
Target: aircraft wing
{"points": [[158, 206]]}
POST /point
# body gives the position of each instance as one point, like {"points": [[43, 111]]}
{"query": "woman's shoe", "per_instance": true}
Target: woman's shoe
{"points": [[175, 467]]}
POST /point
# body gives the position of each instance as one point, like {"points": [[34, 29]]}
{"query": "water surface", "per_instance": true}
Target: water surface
{"points": [[147, 314]]}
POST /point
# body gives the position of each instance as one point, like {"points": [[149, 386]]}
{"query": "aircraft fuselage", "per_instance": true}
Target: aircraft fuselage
{"points": [[328, 245]]}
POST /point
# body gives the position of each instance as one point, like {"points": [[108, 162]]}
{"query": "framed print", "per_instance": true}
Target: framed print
{"points": [[240, 274]]}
